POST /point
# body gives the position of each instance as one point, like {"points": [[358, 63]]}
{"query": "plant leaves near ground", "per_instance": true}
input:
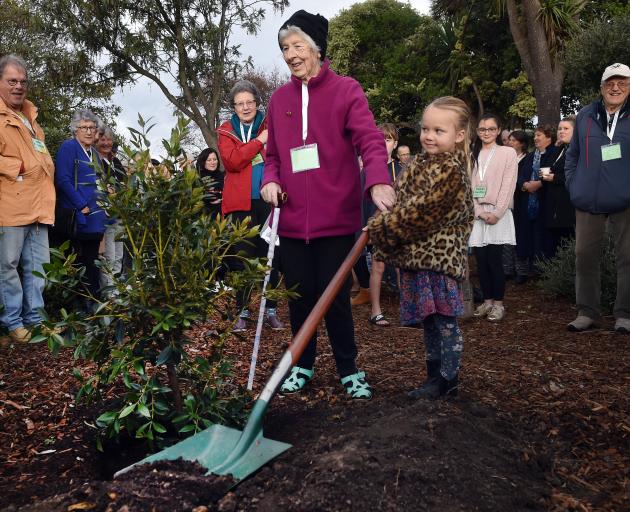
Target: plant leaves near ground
{"points": [[136, 334]]}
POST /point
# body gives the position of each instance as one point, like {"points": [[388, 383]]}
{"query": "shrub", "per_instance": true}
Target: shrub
{"points": [[558, 274], [137, 335]]}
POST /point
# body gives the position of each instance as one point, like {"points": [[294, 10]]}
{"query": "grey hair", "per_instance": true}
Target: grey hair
{"points": [[83, 115], [105, 131], [292, 29], [12, 60], [245, 86]]}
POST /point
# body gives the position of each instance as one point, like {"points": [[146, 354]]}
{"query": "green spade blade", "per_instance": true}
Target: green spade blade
{"points": [[223, 450]]}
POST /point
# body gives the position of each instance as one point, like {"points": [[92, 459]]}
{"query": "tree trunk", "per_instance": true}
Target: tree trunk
{"points": [[545, 72], [548, 94], [479, 98]]}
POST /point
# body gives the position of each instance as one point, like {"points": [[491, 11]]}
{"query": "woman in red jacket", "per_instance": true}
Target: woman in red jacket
{"points": [[242, 142]]}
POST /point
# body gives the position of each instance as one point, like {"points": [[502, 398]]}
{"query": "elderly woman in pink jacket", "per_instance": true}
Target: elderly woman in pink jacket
{"points": [[318, 123]]}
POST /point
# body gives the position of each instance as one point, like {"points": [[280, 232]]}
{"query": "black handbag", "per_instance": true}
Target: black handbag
{"points": [[66, 218]]}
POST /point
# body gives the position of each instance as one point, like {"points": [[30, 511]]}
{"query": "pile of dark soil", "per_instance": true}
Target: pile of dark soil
{"points": [[542, 423]]}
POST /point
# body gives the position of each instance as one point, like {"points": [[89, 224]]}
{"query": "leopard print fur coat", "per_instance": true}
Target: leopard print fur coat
{"points": [[429, 227]]}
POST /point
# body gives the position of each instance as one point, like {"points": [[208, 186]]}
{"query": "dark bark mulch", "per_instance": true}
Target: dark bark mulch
{"points": [[542, 423]]}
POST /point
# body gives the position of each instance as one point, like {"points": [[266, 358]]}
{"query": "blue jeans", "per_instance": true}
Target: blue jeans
{"points": [[21, 293]]}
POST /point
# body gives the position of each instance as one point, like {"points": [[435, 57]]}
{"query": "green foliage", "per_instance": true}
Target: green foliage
{"points": [[61, 79], [389, 49], [136, 337], [558, 274], [183, 46], [600, 44], [524, 106]]}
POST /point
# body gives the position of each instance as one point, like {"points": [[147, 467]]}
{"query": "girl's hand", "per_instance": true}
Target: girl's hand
{"points": [[491, 218]]}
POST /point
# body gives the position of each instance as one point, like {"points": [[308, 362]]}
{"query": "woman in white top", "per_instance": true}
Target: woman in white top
{"points": [[493, 183]]}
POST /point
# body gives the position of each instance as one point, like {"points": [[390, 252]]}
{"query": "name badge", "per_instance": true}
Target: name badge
{"points": [[305, 158], [38, 145], [480, 191], [258, 159], [611, 152]]}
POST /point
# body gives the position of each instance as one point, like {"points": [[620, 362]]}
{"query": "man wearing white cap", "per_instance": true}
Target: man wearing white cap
{"points": [[598, 178]]}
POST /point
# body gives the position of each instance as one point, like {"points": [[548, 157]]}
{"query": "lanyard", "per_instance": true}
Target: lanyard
{"points": [[249, 133], [484, 168], [610, 129], [560, 155], [393, 165], [26, 122], [304, 112]]}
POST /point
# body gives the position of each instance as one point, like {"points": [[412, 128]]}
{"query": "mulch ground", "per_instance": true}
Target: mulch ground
{"points": [[542, 423]]}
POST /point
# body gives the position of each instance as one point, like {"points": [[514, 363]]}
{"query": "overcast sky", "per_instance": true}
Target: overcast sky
{"points": [[146, 98]]}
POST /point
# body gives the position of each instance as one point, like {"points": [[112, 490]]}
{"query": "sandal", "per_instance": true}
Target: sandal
{"points": [[297, 379], [378, 320], [357, 387]]}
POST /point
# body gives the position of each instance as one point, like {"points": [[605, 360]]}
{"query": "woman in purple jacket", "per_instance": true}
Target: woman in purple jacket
{"points": [[318, 122]]}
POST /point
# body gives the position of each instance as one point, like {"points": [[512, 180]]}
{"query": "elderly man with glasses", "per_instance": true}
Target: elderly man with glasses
{"points": [[27, 204], [597, 173]]}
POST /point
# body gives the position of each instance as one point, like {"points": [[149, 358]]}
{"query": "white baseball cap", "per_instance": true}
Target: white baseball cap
{"points": [[616, 69]]}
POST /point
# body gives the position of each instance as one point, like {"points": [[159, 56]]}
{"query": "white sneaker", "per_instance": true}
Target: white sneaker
{"points": [[482, 310], [497, 313]]}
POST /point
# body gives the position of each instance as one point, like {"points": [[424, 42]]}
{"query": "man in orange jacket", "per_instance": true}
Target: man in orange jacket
{"points": [[27, 204]]}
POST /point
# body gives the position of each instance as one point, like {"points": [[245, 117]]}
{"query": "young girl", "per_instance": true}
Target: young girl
{"points": [[426, 236], [493, 183]]}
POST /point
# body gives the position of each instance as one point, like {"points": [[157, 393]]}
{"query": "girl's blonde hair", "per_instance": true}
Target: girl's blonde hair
{"points": [[464, 122]]}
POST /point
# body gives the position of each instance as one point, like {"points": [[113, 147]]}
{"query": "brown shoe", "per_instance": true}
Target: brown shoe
{"points": [[363, 297], [20, 335]]}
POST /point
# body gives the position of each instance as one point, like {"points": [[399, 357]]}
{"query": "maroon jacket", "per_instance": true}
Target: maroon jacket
{"points": [[326, 201]]}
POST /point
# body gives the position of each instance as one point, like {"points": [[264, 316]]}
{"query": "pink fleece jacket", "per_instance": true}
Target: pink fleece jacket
{"points": [[326, 201], [500, 178]]}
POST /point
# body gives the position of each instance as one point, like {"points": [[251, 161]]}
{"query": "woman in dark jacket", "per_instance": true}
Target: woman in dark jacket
{"points": [[513, 266], [76, 182], [558, 213], [528, 207], [208, 166]]}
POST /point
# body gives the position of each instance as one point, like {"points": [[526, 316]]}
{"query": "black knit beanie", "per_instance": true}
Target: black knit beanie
{"points": [[314, 25]]}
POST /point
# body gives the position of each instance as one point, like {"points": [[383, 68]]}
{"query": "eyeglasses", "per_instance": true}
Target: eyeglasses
{"points": [[86, 129], [620, 84], [487, 130], [244, 104], [12, 82]]}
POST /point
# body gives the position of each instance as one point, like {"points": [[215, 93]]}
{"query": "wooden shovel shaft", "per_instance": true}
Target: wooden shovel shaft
{"points": [[301, 339]]}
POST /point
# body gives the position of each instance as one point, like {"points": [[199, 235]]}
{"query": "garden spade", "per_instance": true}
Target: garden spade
{"points": [[228, 451]]}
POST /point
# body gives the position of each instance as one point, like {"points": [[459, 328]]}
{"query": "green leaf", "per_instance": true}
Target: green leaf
{"points": [[144, 410], [127, 411], [106, 418], [165, 356], [158, 427]]}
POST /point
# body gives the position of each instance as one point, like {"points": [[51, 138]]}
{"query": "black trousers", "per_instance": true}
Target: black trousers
{"points": [[87, 254], [311, 266], [490, 271], [254, 248]]}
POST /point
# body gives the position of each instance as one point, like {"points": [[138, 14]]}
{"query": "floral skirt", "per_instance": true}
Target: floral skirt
{"points": [[425, 293]]}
